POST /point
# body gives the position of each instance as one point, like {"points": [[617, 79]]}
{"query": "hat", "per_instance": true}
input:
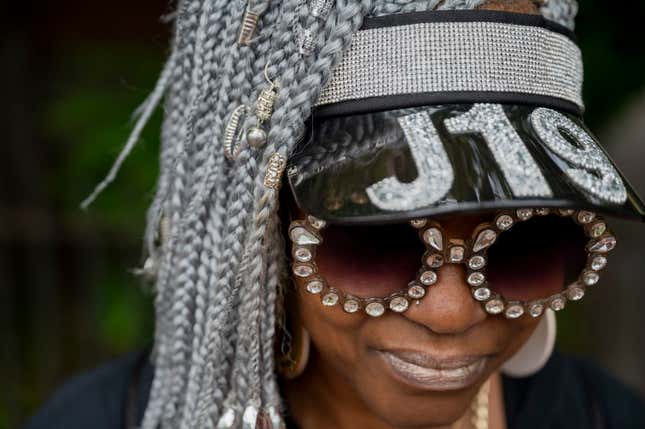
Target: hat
{"points": [[438, 112]]}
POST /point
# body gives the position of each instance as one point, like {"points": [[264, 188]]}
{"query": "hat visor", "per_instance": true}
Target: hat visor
{"points": [[404, 164]]}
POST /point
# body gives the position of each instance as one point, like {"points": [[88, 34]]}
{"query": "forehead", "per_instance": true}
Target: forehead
{"points": [[462, 225], [458, 225]]}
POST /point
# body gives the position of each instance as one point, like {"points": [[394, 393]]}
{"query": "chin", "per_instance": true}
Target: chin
{"points": [[424, 412], [404, 406], [416, 390]]}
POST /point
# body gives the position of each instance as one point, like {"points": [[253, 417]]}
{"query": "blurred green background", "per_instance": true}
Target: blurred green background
{"points": [[72, 73]]}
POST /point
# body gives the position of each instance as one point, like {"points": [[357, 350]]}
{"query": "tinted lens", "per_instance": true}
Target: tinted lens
{"points": [[537, 258], [373, 261]]}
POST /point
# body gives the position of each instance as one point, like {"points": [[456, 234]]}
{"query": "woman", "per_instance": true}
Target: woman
{"points": [[441, 206]]}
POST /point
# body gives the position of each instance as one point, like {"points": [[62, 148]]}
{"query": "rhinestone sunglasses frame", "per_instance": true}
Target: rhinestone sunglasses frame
{"points": [[305, 235]]}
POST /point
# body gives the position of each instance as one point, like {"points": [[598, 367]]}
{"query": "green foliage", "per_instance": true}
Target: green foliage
{"points": [[123, 312], [613, 55], [92, 120], [85, 120]]}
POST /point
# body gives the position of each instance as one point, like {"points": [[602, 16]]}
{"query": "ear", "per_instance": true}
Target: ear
{"points": [[535, 353]]}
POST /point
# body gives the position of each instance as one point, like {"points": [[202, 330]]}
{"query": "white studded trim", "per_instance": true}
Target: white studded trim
{"points": [[440, 250]]}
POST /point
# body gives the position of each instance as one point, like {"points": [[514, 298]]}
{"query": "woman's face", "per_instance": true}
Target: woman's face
{"points": [[422, 367]]}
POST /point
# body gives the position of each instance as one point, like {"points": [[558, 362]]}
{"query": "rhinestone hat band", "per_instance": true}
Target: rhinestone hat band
{"points": [[483, 55], [306, 236]]}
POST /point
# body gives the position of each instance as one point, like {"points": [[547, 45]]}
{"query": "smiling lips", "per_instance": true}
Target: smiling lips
{"points": [[429, 373]]}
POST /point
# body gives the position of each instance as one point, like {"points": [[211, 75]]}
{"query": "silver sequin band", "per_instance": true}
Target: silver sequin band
{"points": [[458, 57]]}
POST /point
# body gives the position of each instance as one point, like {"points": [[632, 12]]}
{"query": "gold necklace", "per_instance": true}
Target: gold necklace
{"points": [[478, 409]]}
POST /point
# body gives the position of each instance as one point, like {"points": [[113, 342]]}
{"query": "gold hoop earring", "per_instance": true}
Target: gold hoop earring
{"points": [[295, 354]]}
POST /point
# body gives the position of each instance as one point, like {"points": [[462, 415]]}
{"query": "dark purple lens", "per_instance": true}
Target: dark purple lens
{"points": [[537, 258], [370, 261]]}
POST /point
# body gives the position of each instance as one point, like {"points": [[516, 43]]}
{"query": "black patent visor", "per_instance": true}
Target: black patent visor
{"points": [[404, 164]]}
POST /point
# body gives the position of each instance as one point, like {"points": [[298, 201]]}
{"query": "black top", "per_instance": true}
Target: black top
{"points": [[567, 393]]}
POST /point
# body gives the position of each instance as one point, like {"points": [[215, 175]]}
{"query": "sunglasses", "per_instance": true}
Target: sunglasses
{"points": [[519, 262]]}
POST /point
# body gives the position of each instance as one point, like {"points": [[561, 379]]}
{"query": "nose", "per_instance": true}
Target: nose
{"points": [[448, 307]]}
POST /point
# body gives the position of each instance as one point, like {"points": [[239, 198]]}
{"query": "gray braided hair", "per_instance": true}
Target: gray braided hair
{"points": [[221, 269]]}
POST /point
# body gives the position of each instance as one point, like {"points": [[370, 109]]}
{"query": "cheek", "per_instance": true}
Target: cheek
{"points": [[368, 272], [515, 334], [368, 262], [524, 282], [537, 259], [368, 276], [334, 333]]}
